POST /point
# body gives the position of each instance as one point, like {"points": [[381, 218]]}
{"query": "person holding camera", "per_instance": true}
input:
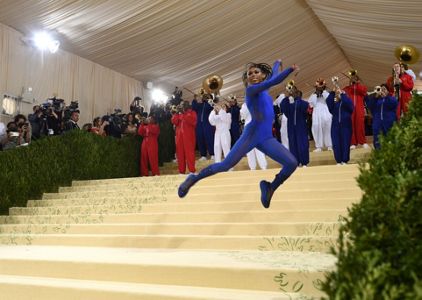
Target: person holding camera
{"points": [[15, 137], [24, 129], [72, 123], [150, 131], [383, 108]]}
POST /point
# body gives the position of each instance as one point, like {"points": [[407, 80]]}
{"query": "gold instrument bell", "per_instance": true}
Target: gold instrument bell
{"points": [[407, 54], [353, 72], [212, 84], [290, 85]]}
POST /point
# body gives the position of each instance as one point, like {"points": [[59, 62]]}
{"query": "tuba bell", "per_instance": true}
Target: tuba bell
{"points": [[212, 84], [407, 54]]}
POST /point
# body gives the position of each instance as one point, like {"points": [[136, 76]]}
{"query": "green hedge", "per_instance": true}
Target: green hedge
{"points": [[43, 166], [380, 253]]}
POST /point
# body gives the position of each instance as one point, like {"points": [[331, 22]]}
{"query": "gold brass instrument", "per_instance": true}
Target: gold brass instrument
{"points": [[212, 84], [334, 80], [352, 72], [290, 85], [407, 54]]}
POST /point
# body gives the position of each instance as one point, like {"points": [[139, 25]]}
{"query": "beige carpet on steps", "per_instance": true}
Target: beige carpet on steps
{"points": [[133, 238]]}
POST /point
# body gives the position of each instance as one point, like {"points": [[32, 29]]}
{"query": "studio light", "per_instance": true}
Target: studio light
{"points": [[158, 96], [43, 41]]}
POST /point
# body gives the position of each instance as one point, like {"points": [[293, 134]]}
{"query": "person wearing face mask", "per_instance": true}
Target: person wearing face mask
{"points": [[296, 111], [258, 78], [383, 108], [400, 85]]}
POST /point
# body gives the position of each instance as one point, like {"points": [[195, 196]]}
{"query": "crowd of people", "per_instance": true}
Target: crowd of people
{"points": [[334, 119]]}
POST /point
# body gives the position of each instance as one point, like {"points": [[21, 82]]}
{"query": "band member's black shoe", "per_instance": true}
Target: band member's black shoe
{"points": [[266, 193]]}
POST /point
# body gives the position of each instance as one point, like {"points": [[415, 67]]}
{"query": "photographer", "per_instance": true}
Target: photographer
{"points": [[131, 125], [23, 128], [136, 106], [13, 137], [115, 124]]}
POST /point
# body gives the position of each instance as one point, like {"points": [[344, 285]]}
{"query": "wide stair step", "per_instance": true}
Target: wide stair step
{"points": [[134, 238]]}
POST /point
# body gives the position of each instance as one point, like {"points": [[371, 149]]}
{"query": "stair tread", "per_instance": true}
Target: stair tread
{"points": [[240, 259], [143, 289]]}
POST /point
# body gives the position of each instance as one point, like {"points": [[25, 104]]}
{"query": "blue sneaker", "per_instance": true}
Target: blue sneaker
{"points": [[266, 193], [186, 185]]}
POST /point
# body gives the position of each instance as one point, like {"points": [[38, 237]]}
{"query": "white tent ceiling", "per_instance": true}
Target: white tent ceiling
{"points": [[180, 42]]}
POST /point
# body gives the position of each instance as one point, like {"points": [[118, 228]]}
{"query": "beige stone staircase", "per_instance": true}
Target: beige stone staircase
{"points": [[134, 238]]}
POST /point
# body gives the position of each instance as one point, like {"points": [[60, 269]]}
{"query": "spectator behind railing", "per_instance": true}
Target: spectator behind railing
{"points": [[98, 126]]}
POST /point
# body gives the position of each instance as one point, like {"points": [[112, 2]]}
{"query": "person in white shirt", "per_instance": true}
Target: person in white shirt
{"points": [[321, 117], [254, 155], [283, 128], [221, 119]]}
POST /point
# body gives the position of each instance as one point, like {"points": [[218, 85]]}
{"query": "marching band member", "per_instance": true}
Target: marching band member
{"points": [[204, 130], [383, 108], [234, 110], [254, 155], [321, 117], [400, 85], [341, 108], [258, 78], [222, 120], [185, 123], [356, 91], [296, 111], [150, 131]]}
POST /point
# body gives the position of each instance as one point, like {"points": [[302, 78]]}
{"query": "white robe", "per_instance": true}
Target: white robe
{"points": [[222, 138], [283, 124], [254, 155], [321, 120]]}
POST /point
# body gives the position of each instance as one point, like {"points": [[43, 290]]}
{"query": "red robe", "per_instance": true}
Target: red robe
{"points": [[185, 140], [405, 96], [356, 93], [149, 148]]}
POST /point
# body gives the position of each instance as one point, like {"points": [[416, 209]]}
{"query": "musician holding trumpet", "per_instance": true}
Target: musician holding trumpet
{"points": [[356, 92], [221, 119], [341, 108], [321, 117], [383, 108]]}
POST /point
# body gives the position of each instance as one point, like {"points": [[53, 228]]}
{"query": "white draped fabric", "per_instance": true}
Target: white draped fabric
{"points": [[98, 89], [180, 42]]}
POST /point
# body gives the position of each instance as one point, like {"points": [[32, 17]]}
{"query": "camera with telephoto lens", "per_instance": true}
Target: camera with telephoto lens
{"points": [[68, 110]]}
